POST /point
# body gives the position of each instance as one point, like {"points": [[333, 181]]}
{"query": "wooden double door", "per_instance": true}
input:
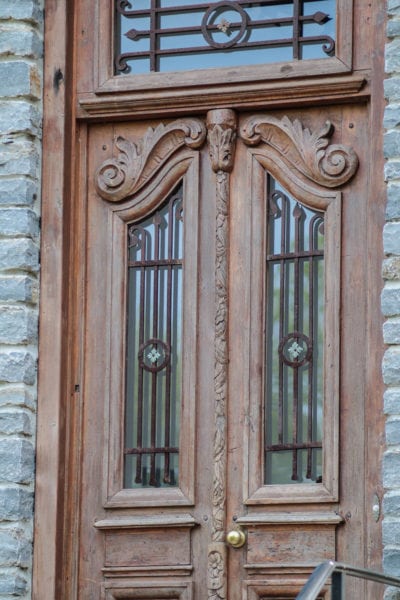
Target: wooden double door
{"points": [[220, 288]]}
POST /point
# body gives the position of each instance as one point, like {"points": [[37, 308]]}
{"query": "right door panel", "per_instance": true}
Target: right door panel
{"points": [[296, 472]]}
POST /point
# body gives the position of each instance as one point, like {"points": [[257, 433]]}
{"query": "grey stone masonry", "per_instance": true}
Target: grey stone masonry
{"points": [[21, 33], [391, 299]]}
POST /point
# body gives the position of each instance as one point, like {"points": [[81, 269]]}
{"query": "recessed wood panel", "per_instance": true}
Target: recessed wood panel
{"points": [[147, 590], [279, 589], [290, 545], [148, 548]]}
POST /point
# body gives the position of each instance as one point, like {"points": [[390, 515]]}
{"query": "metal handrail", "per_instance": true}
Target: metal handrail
{"points": [[336, 571]]}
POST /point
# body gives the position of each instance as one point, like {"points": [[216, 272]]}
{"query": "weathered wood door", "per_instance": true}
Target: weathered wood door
{"points": [[211, 393], [218, 443]]}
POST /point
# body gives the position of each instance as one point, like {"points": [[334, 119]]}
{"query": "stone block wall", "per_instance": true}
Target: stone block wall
{"points": [[20, 157], [391, 299], [20, 160]]}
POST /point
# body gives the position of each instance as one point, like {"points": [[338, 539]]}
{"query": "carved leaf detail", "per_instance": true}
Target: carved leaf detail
{"points": [[136, 163], [222, 144], [221, 126], [216, 583], [221, 355], [309, 152]]}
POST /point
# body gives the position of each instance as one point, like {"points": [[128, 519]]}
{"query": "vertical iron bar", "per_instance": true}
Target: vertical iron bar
{"points": [[153, 35], [167, 425], [338, 586], [282, 274], [287, 314], [272, 216], [297, 222], [296, 29], [302, 222], [269, 354], [154, 376], [311, 336], [138, 478]]}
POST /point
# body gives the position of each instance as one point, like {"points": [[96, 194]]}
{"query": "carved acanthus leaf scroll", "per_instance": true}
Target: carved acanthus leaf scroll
{"points": [[329, 165], [221, 125], [136, 163]]}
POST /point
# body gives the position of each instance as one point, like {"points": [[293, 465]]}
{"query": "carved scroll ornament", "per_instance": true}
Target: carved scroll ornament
{"points": [[329, 165], [120, 177]]}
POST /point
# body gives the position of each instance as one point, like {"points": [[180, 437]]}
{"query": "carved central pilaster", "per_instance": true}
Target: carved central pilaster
{"points": [[221, 125]]}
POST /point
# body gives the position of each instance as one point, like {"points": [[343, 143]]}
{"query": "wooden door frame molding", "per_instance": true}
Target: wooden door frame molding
{"points": [[58, 393], [51, 434]]}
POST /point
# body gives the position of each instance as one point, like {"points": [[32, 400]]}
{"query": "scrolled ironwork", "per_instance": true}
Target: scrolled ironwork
{"points": [[298, 355], [207, 27], [122, 5], [150, 350]]}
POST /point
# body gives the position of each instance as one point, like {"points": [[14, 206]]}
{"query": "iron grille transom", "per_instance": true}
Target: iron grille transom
{"points": [[167, 35]]}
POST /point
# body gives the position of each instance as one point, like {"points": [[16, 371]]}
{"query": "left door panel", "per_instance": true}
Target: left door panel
{"points": [[132, 526]]}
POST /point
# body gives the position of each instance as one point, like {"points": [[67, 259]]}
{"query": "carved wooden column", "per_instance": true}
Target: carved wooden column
{"points": [[221, 125]]}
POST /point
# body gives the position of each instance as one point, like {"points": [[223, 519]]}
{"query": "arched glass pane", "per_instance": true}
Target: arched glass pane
{"points": [[154, 347], [294, 340], [175, 35]]}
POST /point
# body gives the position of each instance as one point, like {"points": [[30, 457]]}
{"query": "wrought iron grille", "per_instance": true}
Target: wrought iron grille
{"points": [[172, 35], [154, 340], [294, 340]]}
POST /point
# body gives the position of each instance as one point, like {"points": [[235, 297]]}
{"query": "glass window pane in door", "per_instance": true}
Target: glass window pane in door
{"points": [[154, 347], [294, 340]]}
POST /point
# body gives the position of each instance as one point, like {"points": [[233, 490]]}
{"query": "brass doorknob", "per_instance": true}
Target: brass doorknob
{"points": [[236, 538]]}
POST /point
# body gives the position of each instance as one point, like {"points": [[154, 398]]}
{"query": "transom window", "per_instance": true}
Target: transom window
{"points": [[175, 35]]}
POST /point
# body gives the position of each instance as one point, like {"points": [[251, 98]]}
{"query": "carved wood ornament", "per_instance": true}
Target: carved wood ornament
{"points": [[118, 178], [329, 165], [221, 125]]}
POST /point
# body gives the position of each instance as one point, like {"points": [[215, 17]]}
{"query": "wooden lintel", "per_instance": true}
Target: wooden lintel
{"points": [[131, 104]]}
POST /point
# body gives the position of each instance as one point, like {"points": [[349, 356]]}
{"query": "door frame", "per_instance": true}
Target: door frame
{"points": [[49, 492], [58, 416]]}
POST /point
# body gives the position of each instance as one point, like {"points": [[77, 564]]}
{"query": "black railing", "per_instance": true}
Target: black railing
{"points": [[337, 573]]}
